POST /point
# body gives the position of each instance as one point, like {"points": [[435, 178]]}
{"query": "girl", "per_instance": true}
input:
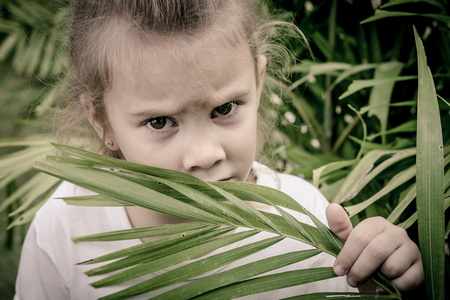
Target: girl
{"points": [[177, 85]]}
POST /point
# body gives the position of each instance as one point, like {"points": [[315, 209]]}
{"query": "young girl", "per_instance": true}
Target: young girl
{"points": [[177, 85]]}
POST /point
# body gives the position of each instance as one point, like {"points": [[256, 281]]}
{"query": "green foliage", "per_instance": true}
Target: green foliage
{"points": [[366, 120], [34, 189], [430, 179], [353, 63], [211, 205], [33, 40], [380, 82], [33, 43]]}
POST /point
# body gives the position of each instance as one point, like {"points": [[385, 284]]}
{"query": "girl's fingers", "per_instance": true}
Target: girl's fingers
{"points": [[374, 243], [390, 250], [358, 239], [401, 260], [338, 221], [411, 279]]}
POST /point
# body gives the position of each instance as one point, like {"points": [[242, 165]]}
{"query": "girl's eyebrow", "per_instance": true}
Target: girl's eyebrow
{"points": [[164, 111], [234, 96]]}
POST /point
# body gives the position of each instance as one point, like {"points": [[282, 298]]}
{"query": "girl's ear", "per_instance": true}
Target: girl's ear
{"points": [[96, 122], [261, 63]]}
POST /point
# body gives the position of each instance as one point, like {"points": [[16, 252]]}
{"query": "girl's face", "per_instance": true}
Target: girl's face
{"points": [[194, 112]]}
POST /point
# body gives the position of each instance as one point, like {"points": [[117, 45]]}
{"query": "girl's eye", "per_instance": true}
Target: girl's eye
{"points": [[159, 123], [224, 110]]}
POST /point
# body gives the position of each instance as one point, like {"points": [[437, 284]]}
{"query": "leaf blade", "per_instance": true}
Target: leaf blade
{"points": [[430, 182]]}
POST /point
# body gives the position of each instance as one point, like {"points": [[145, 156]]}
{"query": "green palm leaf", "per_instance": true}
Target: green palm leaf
{"points": [[367, 169], [210, 205], [430, 178], [31, 195], [270, 282], [239, 273]]}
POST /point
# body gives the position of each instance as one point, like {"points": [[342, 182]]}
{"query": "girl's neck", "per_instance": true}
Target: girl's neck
{"points": [[251, 178], [142, 217]]}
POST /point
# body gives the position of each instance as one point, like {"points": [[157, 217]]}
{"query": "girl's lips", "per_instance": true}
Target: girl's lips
{"points": [[226, 179]]}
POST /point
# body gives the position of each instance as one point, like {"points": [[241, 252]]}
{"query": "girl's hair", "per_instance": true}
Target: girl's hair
{"points": [[94, 47]]}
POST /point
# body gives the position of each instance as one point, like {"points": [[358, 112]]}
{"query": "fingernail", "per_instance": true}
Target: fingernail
{"points": [[339, 269], [351, 282]]}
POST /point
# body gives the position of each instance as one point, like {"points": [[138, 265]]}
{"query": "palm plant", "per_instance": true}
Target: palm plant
{"points": [[121, 183], [33, 58], [390, 106], [216, 207]]}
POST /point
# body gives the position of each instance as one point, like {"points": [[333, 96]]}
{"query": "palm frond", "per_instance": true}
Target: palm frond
{"points": [[17, 167], [210, 205]]}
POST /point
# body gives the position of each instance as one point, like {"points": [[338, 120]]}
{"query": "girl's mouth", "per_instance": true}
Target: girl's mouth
{"points": [[225, 179]]}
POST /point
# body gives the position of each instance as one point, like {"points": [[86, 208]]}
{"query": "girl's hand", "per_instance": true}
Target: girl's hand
{"points": [[374, 243]]}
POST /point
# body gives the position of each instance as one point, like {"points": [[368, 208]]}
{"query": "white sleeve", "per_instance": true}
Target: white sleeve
{"points": [[38, 276]]}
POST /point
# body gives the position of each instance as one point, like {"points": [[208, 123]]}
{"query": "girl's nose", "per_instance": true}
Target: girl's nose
{"points": [[203, 151]]}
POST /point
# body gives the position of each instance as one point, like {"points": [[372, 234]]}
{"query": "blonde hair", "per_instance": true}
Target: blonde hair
{"points": [[92, 38]]}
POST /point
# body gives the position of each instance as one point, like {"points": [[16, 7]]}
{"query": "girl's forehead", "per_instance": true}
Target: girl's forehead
{"points": [[201, 60]]}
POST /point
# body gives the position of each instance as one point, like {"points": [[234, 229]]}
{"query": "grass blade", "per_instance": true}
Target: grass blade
{"points": [[396, 181], [413, 218], [366, 170], [404, 202], [381, 14], [330, 168], [358, 85], [381, 94], [430, 179]]}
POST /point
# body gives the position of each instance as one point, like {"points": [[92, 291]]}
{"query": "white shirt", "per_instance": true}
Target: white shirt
{"points": [[49, 266]]}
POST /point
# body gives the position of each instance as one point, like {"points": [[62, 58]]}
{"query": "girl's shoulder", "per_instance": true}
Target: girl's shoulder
{"points": [[297, 188], [58, 217], [49, 248]]}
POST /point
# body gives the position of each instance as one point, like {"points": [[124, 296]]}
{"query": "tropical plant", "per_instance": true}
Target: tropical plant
{"points": [[221, 204], [380, 179], [33, 59], [363, 81], [217, 208]]}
